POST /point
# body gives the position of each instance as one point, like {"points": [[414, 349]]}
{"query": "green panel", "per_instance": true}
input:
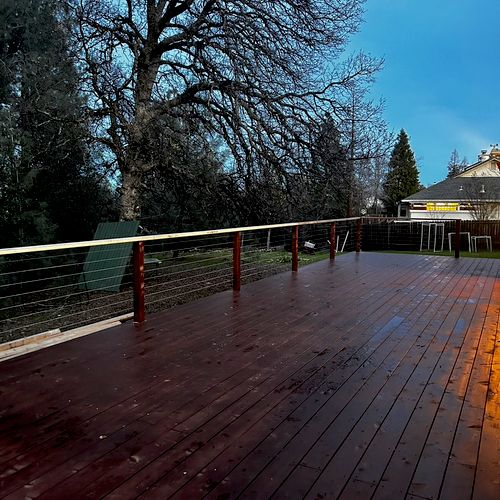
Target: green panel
{"points": [[105, 265]]}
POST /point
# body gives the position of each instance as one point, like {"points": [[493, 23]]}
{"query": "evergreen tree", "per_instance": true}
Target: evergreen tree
{"points": [[330, 179], [50, 189], [402, 177], [186, 189]]}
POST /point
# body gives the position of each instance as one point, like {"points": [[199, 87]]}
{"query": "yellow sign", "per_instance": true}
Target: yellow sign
{"points": [[441, 207]]}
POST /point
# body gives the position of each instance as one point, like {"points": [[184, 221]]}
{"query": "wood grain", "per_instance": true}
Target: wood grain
{"points": [[375, 375]]}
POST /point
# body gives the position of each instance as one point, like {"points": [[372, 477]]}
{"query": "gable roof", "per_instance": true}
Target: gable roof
{"points": [[474, 166], [449, 190], [493, 156], [486, 168]]}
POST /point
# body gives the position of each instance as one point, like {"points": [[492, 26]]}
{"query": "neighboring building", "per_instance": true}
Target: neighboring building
{"points": [[472, 194]]}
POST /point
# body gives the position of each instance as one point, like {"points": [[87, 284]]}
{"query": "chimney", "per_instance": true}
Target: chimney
{"points": [[495, 152], [483, 156]]}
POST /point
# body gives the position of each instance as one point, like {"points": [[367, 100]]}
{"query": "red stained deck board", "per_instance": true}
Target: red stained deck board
{"points": [[303, 430], [168, 483], [442, 385], [191, 379], [163, 464], [408, 333], [178, 371], [360, 439], [462, 462], [288, 336], [251, 379], [401, 434], [427, 480], [487, 477], [193, 326]]}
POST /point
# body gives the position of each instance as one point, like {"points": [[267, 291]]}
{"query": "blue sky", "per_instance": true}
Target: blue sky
{"points": [[441, 76]]}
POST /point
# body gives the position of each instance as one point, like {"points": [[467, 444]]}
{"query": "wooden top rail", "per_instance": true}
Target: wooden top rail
{"points": [[396, 219], [157, 237]]}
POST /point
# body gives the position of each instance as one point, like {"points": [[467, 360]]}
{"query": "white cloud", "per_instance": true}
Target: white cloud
{"points": [[468, 137]]}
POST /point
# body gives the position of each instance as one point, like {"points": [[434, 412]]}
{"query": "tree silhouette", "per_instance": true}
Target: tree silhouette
{"points": [[402, 177], [253, 74]]}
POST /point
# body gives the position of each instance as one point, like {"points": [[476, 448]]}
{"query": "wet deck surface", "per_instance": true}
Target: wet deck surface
{"points": [[377, 376]]}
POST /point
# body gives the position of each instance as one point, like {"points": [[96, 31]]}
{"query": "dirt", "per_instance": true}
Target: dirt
{"points": [[164, 288]]}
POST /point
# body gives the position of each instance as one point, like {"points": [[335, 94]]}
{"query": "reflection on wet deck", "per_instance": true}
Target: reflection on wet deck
{"points": [[375, 376]]}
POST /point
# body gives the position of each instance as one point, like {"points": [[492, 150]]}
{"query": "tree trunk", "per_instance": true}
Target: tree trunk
{"points": [[130, 208], [134, 166], [137, 159]]}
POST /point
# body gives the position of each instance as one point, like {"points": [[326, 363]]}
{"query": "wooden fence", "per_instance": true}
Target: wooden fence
{"points": [[393, 234]]}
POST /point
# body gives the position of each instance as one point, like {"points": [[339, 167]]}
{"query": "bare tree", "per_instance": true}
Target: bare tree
{"points": [[255, 74], [455, 165], [475, 195], [371, 178], [368, 143]]}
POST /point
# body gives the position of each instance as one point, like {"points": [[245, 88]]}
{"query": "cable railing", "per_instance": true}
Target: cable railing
{"points": [[49, 289]]}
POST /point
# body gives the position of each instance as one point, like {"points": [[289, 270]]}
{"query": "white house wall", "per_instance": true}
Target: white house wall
{"points": [[486, 169], [424, 214], [457, 214]]}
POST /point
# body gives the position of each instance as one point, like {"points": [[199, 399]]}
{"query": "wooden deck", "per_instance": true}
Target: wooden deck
{"points": [[374, 377]]}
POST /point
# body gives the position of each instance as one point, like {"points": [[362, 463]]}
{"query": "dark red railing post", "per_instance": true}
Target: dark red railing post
{"points": [[237, 261], [138, 280], [358, 235], [332, 241], [458, 224], [295, 249]]}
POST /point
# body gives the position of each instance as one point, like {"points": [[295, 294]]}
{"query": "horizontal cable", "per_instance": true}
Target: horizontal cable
{"points": [[189, 291], [191, 242], [86, 282], [182, 286], [188, 273], [19, 271], [251, 275], [18, 283], [62, 297], [59, 318], [94, 320], [185, 264]]}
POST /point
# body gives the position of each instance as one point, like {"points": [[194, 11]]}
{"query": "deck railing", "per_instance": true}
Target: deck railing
{"points": [[60, 287], [447, 235], [63, 286]]}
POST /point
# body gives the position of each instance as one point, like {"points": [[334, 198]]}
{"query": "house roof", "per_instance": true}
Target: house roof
{"points": [[484, 158], [449, 190], [474, 165]]}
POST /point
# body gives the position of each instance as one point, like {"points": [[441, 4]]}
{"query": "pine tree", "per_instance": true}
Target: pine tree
{"points": [[49, 186], [331, 179], [402, 177]]}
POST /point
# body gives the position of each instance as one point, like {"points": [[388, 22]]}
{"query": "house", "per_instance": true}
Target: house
{"points": [[474, 194]]}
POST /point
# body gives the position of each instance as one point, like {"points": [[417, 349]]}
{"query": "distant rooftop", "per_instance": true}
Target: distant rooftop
{"points": [[485, 156], [460, 189]]}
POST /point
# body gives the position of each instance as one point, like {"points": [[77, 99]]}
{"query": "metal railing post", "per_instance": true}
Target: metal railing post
{"points": [[237, 261], [138, 280], [358, 235], [295, 249], [332, 241], [458, 224]]}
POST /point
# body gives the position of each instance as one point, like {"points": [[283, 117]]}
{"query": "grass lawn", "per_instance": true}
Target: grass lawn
{"points": [[282, 257], [478, 255], [224, 257]]}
